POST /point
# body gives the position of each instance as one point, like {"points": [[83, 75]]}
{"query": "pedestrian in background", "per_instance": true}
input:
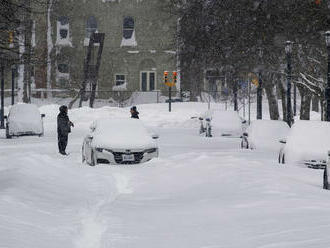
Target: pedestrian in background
{"points": [[134, 113], [63, 129]]}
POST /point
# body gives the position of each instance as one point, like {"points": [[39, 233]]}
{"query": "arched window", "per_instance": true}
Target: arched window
{"points": [[91, 26], [128, 27]]}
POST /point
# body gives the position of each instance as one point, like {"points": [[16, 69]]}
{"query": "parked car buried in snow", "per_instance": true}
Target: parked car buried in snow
{"points": [[308, 143], [264, 134], [24, 119], [222, 123], [119, 141]]}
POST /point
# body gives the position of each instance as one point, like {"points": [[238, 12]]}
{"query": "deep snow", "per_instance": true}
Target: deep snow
{"points": [[200, 192]]}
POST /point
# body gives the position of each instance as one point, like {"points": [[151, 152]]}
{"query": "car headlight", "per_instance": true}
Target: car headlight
{"points": [[103, 149], [151, 150]]}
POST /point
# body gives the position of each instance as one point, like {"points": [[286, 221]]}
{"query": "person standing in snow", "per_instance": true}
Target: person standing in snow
{"points": [[63, 129], [134, 113]]}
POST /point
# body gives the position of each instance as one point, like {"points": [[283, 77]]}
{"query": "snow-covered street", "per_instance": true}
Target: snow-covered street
{"points": [[200, 193]]}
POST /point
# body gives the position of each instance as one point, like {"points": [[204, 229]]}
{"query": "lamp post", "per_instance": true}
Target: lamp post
{"points": [[288, 51], [327, 88], [2, 121]]}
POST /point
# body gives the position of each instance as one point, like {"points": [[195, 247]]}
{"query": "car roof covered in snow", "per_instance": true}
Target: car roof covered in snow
{"points": [[121, 133], [227, 122], [21, 110], [267, 133], [308, 140]]}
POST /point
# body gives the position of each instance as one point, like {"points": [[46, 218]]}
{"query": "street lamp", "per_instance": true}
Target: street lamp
{"points": [[327, 88], [288, 51]]}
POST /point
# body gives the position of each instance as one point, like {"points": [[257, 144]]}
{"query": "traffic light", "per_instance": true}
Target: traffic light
{"points": [[175, 75], [166, 77]]}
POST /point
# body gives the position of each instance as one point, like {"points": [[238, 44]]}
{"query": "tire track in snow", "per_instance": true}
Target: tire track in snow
{"points": [[94, 222]]}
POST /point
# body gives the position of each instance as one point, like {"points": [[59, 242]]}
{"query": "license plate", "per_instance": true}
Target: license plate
{"points": [[128, 157]]}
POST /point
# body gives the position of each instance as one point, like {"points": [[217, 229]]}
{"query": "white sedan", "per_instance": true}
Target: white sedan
{"points": [[119, 141], [24, 119]]}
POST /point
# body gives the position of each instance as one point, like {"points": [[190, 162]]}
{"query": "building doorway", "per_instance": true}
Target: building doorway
{"points": [[148, 81]]}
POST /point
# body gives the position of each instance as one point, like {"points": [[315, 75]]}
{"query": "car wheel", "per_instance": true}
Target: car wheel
{"points": [[92, 159]]}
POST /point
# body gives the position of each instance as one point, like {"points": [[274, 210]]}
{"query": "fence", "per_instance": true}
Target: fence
{"points": [[124, 98]]}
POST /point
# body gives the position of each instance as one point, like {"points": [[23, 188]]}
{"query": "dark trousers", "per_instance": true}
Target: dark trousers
{"points": [[62, 142]]}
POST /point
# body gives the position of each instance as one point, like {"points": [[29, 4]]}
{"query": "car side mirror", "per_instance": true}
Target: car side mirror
{"points": [[243, 122], [282, 141], [200, 118], [5, 117], [155, 136], [43, 115], [89, 136], [245, 134]]}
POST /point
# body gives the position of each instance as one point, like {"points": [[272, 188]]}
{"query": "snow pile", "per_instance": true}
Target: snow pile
{"points": [[24, 118], [121, 134], [120, 87], [226, 123], [265, 134], [308, 140]]}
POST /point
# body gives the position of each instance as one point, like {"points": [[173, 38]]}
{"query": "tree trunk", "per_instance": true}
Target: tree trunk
{"points": [[272, 102], [282, 92], [315, 104], [305, 105]]}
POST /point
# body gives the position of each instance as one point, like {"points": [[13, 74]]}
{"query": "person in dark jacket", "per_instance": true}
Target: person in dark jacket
{"points": [[63, 129], [134, 113]]}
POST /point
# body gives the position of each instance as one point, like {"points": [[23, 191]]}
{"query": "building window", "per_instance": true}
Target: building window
{"points": [[128, 27], [148, 81], [128, 32], [63, 31], [120, 80], [120, 83]]}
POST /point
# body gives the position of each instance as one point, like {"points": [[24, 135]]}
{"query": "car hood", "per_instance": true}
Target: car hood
{"points": [[124, 143]]}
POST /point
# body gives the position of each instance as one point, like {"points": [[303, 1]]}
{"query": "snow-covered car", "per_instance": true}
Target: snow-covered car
{"points": [[222, 123], [119, 141], [24, 119], [308, 143], [265, 134]]}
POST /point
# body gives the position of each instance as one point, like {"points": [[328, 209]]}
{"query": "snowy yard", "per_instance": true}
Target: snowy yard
{"points": [[200, 193]]}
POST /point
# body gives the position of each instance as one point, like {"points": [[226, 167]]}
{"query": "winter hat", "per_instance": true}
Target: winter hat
{"points": [[63, 108], [133, 108]]}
